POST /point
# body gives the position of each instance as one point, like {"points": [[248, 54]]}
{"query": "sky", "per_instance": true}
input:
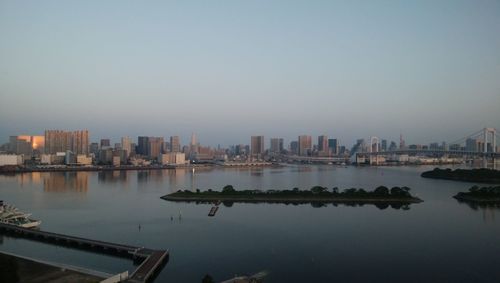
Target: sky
{"points": [[226, 70]]}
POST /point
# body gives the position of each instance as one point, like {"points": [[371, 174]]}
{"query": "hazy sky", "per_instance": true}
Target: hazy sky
{"points": [[230, 69]]}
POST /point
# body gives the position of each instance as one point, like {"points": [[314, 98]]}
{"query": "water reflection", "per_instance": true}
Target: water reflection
{"points": [[117, 176], [66, 181], [380, 206]]}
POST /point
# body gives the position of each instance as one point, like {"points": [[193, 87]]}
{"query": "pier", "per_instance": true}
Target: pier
{"points": [[152, 260]]}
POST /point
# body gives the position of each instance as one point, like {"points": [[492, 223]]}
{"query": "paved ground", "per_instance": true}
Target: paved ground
{"points": [[14, 269]]}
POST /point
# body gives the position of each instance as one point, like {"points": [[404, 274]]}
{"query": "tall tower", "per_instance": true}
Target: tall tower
{"points": [[193, 139], [175, 144], [305, 145], [257, 146], [323, 143]]}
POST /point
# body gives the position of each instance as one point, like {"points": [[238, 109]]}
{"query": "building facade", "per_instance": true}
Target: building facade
{"points": [[305, 145]]}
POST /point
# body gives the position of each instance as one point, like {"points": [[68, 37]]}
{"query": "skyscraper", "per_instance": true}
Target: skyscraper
{"points": [[294, 147], [276, 145], [127, 145], [142, 145], [384, 145], [154, 147], [305, 145], [175, 144], [257, 146], [333, 145], [323, 143]]}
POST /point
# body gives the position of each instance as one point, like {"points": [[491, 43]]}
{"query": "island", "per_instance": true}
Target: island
{"points": [[316, 195], [487, 195], [482, 175]]}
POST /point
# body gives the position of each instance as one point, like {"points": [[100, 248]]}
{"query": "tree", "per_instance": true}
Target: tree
{"points": [[318, 189], [381, 191], [335, 190], [228, 189], [207, 279]]}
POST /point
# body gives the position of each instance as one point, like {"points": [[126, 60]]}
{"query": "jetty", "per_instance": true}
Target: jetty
{"points": [[152, 261]]}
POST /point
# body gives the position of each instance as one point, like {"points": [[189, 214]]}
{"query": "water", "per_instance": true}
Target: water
{"points": [[439, 240]]}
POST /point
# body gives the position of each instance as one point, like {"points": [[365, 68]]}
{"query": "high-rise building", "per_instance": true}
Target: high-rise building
{"points": [[294, 147], [333, 145], [105, 143], [62, 141], [127, 145], [472, 145], [402, 144], [323, 143], [94, 148], [193, 139], [80, 142], [384, 145], [175, 144], [142, 145], [257, 146], [393, 146], [21, 145], [305, 145], [154, 147], [276, 145]]}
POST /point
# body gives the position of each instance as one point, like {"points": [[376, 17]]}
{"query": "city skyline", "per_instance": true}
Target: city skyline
{"points": [[183, 141], [428, 70]]}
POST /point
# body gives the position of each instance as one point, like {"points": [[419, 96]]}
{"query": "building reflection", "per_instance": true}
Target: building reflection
{"points": [[115, 176], [66, 181], [32, 178], [147, 176]]}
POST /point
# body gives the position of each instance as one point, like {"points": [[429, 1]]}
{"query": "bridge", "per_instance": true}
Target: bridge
{"points": [[314, 159], [482, 143], [435, 152], [152, 260]]}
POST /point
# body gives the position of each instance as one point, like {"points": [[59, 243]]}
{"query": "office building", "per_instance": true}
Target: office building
{"points": [[127, 146], [294, 147], [305, 145], [105, 143], [175, 144], [276, 145], [472, 145], [155, 145], [333, 145], [323, 143], [142, 145], [383, 146], [257, 146]]}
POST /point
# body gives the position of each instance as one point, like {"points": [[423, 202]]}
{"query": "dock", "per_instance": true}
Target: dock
{"points": [[152, 261], [213, 210]]}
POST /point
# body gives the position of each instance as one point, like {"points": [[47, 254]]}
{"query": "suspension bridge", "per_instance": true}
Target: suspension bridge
{"points": [[482, 143]]}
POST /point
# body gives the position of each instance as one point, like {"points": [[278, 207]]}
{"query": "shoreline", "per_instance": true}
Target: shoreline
{"points": [[475, 199], [18, 170], [485, 176], [290, 199]]}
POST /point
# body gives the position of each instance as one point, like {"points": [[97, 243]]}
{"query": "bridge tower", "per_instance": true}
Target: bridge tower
{"points": [[374, 147], [490, 132], [374, 144]]}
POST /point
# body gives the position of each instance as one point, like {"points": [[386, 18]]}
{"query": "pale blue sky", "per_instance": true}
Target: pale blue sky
{"points": [[230, 69]]}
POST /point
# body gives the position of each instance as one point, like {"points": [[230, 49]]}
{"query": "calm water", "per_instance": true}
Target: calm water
{"points": [[439, 240]]}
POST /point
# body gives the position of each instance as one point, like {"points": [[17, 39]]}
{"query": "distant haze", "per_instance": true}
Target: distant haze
{"points": [[227, 70]]}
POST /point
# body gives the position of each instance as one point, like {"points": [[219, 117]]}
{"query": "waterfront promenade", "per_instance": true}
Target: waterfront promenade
{"points": [[152, 260]]}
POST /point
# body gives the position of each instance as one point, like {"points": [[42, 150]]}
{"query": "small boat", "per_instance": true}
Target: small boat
{"points": [[13, 216]]}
